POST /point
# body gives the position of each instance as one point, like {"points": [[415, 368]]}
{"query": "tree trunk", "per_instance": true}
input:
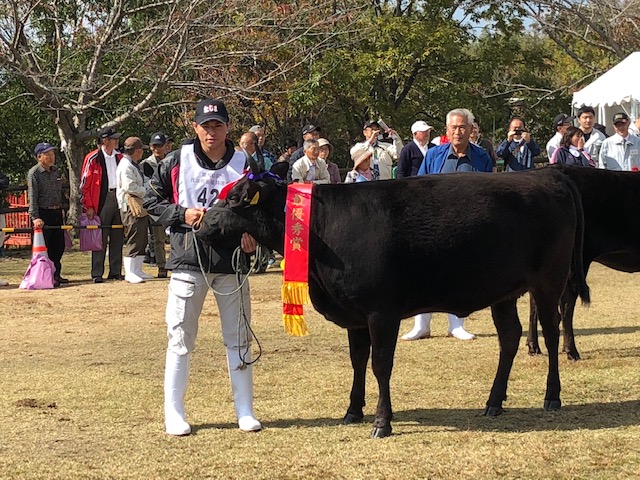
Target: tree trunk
{"points": [[74, 154]]}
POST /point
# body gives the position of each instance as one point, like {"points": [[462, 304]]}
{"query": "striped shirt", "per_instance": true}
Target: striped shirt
{"points": [[45, 189]]}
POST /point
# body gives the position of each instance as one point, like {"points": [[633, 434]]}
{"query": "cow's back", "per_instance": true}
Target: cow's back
{"points": [[454, 243], [611, 202]]}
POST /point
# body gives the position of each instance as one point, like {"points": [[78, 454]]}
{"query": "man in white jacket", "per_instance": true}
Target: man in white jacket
{"points": [[310, 168], [383, 153], [130, 186], [593, 138]]}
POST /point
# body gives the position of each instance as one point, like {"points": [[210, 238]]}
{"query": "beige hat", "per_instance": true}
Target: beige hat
{"points": [[323, 141], [359, 155]]}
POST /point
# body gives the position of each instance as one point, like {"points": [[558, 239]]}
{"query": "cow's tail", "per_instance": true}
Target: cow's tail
{"points": [[577, 277]]}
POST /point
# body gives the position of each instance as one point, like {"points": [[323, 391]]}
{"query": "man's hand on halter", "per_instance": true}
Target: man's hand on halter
{"points": [[248, 243], [192, 215]]}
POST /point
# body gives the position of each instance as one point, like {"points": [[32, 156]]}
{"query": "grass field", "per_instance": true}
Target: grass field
{"points": [[81, 393]]}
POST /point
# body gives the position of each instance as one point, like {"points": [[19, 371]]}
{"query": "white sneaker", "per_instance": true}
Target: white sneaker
{"points": [[461, 334]]}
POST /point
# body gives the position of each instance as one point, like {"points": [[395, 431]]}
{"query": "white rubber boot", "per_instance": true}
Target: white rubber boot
{"points": [[421, 328], [456, 328], [137, 263], [242, 386], [176, 375], [129, 270]]}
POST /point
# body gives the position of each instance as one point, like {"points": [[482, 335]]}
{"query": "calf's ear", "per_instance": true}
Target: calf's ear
{"points": [[280, 169]]}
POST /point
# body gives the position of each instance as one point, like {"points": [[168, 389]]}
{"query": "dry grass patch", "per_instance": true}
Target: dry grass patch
{"points": [[81, 393]]}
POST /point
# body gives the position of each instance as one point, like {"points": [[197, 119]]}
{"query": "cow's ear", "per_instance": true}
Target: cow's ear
{"points": [[280, 169]]}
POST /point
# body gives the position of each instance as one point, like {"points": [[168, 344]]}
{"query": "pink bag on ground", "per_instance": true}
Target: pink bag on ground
{"points": [[90, 240], [39, 275]]}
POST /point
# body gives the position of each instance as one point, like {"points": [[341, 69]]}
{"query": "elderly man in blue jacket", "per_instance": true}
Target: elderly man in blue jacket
{"points": [[460, 155]]}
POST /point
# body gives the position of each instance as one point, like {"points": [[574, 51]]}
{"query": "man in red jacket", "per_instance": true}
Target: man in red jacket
{"points": [[98, 190]]}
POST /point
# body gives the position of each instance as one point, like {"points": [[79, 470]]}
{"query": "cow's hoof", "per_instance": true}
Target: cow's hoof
{"points": [[350, 418], [573, 356], [552, 405], [534, 350], [381, 432], [493, 411]]}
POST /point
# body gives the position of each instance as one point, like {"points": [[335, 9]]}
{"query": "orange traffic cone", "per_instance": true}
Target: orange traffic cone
{"points": [[38, 247]]}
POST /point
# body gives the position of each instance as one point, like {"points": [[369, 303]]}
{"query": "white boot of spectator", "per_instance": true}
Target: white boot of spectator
{"points": [[138, 260], [456, 328], [129, 270], [421, 328]]}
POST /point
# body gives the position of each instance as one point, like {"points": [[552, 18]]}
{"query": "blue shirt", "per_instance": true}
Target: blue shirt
{"points": [[441, 159]]}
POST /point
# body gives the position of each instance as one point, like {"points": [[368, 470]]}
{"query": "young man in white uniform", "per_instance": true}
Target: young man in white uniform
{"points": [[184, 185]]}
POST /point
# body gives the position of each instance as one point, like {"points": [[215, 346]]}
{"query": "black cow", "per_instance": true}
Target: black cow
{"points": [[611, 237], [384, 251]]}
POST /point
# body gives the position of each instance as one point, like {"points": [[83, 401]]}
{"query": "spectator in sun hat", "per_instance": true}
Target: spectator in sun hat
{"points": [[185, 184], [620, 151], [326, 149], [383, 153], [44, 182], [561, 122], [361, 172], [309, 132], [155, 253], [98, 197], [413, 153]]}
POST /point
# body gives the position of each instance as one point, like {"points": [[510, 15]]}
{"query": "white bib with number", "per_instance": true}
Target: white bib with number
{"points": [[199, 187]]}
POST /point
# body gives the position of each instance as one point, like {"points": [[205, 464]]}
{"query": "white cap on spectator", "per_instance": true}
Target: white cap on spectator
{"points": [[420, 126]]}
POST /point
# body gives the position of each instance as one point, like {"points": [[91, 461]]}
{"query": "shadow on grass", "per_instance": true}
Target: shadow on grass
{"points": [[590, 416]]}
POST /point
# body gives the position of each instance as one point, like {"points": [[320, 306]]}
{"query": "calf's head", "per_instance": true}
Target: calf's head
{"points": [[254, 204]]}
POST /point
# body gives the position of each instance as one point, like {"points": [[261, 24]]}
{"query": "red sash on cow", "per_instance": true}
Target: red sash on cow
{"points": [[295, 289]]}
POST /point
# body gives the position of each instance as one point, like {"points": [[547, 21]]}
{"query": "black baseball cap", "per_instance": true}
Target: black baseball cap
{"points": [[620, 117], [371, 124], [158, 138], [43, 147], [310, 128], [561, 119], [210, 109], [109, 132]]}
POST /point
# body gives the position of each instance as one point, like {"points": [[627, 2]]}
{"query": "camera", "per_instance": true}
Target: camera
{"points": [[519, 131]]}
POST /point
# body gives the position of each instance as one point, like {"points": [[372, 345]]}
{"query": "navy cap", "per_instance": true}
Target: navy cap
{"points": [[158, 138], [310, 128], [210, 109], [562, 119], [109, 132], [43, 147]]}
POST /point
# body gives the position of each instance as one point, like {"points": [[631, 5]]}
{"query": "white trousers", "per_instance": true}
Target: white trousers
{"points": [[187, 292]]}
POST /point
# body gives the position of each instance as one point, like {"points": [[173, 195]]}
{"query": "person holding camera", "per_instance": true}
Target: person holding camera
{"points": [[519, 149], [384, 147]]}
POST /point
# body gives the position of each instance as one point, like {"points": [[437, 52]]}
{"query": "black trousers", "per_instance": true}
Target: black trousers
{"points": [[53, 237]]}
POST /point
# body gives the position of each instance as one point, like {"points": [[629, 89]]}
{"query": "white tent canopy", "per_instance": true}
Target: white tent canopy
{"points": [[616, 90]]}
